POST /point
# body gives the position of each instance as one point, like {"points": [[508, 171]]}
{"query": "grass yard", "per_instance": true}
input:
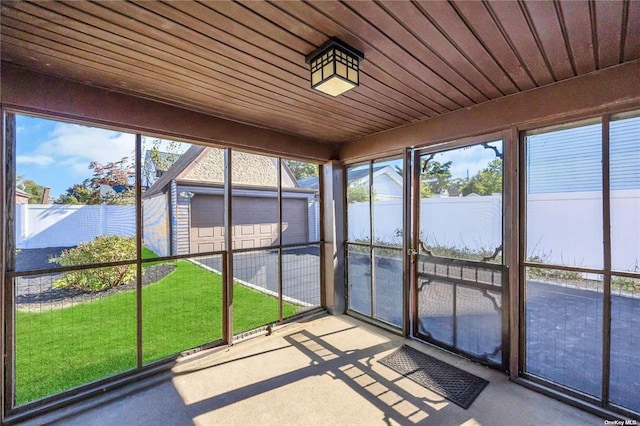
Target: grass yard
{"points": [[147, 254], [63, 348]]}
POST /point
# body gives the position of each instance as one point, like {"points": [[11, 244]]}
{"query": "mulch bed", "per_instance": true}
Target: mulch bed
{"points": [[42, 296]]}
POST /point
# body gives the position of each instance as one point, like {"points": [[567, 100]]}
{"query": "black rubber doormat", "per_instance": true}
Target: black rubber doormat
{"points": [[456, 385]]}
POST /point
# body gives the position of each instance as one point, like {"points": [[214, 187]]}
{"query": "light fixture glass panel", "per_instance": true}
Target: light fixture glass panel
{"points": [[316, 77], [353, 75], [327, 70], [341, 69], [335, 86]]}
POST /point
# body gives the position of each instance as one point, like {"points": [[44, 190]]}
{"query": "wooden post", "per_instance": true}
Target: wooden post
{"points": [[334, 234]]}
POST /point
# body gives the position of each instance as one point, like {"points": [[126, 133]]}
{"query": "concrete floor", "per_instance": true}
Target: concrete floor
{"points": [[320, 372]]}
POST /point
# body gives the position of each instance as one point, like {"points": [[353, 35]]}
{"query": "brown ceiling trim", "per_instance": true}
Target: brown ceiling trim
{"points": [[613, 88], [286, 21], [594, 32], [264, 24], [623, 31], [36, 92], [537, 39]]}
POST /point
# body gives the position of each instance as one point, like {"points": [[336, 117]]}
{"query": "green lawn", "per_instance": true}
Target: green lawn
{"points": [[64, 348], [149, 254]]}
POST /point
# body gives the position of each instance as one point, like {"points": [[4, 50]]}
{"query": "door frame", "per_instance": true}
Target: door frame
{"points": [[510, 235]]}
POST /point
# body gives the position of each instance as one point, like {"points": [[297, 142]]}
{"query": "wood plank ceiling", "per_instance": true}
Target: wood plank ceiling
{"points": [[246, 60]]}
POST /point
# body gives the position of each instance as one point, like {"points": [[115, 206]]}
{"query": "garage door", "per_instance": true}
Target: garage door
{"points": [[255, 222]]}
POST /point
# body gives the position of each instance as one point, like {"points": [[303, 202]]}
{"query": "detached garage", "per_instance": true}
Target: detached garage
{"points": [[183, 209]]}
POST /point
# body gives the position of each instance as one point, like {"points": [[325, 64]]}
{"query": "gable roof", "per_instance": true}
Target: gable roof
{"points": [[310, 182], [356, 175], [361, 174], [205, 165]]}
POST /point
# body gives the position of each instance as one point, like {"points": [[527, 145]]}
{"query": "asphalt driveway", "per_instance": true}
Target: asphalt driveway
{"points": [[300, 272]]}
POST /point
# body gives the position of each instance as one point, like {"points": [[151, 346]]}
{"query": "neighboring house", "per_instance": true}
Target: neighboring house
{"points": [[107, 192], [155, 165], [22, 197], [387, 182], [183, 209]]}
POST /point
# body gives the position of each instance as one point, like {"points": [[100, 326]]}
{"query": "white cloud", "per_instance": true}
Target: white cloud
{"points": [[38, 160], [87, 144]]}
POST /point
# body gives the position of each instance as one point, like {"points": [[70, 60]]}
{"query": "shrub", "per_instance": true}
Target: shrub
{"points": [[625, 283], [105, 248], [550, 273]]}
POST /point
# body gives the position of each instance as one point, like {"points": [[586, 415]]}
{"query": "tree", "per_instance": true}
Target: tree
{"points": [[115, 175], [487, 181], [112, 174], [425, 190], [301, 169], [157, 160], [79, 194], [435, 178], [29, 186], [457, 184], [357, 193]]}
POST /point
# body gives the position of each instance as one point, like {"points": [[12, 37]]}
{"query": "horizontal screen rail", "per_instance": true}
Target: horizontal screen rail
{"points": [[447, 261], [475, 284]]}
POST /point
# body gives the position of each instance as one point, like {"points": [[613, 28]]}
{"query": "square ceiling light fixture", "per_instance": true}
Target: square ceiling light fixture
{"points": [[335, 67]]}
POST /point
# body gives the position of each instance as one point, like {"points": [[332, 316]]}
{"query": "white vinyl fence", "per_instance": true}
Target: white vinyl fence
{"points": [[54, 225], [563, 228]]}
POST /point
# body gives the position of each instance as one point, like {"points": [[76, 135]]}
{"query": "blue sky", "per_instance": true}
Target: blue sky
{"points": [[57, 154]]}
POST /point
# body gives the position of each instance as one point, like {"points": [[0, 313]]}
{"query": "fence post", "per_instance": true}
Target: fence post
{"points": [[22, 222]]}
